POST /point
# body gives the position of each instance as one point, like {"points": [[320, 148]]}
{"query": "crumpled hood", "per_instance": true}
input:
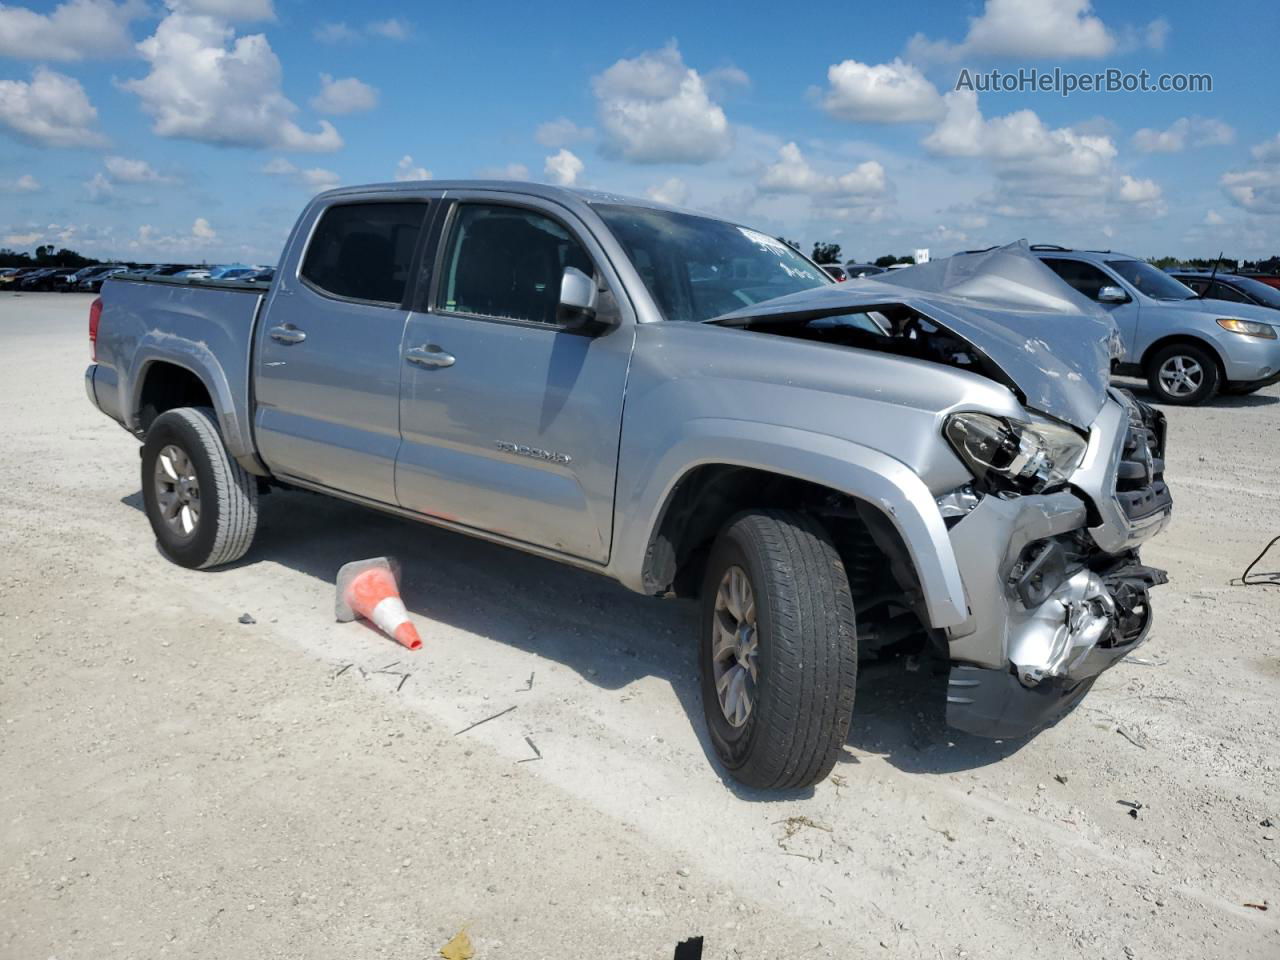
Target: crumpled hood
{"points": [[1048, 339]]}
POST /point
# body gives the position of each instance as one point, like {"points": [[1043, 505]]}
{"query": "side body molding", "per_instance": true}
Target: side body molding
{"points": [[647, 478]]}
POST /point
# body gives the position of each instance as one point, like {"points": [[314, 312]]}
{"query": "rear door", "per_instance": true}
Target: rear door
{"points": [[510, 423], [328, 349], [1089, 279]]}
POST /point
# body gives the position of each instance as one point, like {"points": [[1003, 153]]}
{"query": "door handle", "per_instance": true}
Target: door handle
{"points": [[430, 356], [287, 333]]}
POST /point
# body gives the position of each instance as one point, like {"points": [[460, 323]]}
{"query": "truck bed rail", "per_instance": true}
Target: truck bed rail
{"points": [[244, 286]]}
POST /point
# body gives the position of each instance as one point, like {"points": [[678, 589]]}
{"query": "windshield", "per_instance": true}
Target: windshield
{"points": [[696, 268], [1155, 283]]}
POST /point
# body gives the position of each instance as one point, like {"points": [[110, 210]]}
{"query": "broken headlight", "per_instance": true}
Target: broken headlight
{"points": [[1029, 457]]}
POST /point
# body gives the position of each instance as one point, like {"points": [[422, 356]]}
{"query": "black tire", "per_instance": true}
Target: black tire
{"points": [[1189, 353], [226, 495], [806, 650]]}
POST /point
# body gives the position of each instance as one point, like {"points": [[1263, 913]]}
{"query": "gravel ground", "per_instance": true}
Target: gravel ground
{"points": [[174, 783]]}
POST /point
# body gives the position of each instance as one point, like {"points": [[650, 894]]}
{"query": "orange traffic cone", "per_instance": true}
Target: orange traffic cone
{"points": [[369, 589]]}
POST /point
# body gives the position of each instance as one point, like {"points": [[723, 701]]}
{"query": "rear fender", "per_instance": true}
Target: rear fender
{"points": [[195, 357]]}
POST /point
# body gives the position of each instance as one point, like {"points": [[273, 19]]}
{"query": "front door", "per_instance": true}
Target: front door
{"points": [[328, 351], [1089, 279], [510, 423]]}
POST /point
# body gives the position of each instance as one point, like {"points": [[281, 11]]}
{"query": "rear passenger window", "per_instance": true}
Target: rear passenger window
{"points": [[507, 262], [364, 251]]}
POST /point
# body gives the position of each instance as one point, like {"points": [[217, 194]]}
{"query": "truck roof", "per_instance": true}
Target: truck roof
{"points": [[569, 196]]}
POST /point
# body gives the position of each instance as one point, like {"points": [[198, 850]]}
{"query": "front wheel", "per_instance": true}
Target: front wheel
{"points": [[203, 506], [1183, 374], [779, 651]]}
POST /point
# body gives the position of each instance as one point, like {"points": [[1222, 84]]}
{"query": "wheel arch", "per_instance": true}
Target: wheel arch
{"points": [[722, 467], [1188, 339]]}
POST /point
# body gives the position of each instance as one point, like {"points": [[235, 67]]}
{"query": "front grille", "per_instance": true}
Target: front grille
{"points": [[1140, 485]]}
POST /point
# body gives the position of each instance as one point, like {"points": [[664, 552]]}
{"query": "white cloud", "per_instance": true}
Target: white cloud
{"points": [[1212, 218], [793, 174], [52, 110], [407, 170], [561, 133], [347, 95], [200, 230], [75, 30], [885, 93], [125, 170], [1018, 140], [1268, 151], [726, 81], [563, 168], [315, 178], [320, 179], [1182, 133], [655, 109], [1051, 29], [225, 9], [100, 188], [507, 171], [1143, 197], [1257, 190], [672, 190], [24, 184], [335, 33], [201, 89], [392, 29], [23, 239], [1156, 33]]}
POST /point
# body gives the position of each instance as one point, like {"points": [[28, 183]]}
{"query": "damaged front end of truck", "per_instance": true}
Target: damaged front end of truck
{"points": [[1046, 534]]}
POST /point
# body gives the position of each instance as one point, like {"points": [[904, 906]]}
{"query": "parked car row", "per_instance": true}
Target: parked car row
{"points": [[90, 279]]}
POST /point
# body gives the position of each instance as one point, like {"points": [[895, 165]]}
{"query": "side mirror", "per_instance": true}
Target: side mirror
{"points": [[1112, 295], [578, 297]]}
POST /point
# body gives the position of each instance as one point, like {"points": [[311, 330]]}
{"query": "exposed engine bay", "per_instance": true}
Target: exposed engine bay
{"points": [[892, 328]]}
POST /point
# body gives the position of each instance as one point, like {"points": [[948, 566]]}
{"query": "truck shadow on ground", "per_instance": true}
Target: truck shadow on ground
{"points": [[608, 635]]}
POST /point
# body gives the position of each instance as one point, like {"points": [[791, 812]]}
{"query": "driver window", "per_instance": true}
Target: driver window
{"points": [[1084, 277], [507, 262]]}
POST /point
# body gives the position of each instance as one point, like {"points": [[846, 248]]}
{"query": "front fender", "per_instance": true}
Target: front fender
{"points": [[647, 479]]}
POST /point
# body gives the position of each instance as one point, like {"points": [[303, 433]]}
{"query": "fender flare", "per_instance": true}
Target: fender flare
{"points": [[858, 471], [196, 358]]}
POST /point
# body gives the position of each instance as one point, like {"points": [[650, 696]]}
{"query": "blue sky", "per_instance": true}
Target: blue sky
{"points": [[196, 129]]}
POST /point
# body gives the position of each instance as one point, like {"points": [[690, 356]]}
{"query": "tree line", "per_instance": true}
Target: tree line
{"points": [[45, 256]]}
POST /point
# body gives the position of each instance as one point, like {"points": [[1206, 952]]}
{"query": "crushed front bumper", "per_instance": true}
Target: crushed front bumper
{"points": [[1057, 593]]}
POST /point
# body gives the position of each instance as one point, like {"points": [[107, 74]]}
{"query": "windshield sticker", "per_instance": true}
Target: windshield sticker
{"points": [[770, 244], [796, 272]]}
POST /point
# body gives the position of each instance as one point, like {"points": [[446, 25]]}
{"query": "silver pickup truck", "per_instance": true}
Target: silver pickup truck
{"points": [[931, 460]]}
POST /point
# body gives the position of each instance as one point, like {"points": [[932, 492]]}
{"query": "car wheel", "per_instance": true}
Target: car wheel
{"points": [[779, 651], [1182, 374], [203, 506]]}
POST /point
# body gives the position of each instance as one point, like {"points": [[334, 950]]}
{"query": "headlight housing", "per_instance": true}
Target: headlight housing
{"points": [[1006, 454], [1249, 328]]}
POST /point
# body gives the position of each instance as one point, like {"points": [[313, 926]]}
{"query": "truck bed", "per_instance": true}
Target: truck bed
{"points": [[245, 286]]}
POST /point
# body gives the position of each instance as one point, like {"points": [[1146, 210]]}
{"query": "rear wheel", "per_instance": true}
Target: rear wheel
{"points": [[779, 652], [1182, 374], [203, 506]]}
